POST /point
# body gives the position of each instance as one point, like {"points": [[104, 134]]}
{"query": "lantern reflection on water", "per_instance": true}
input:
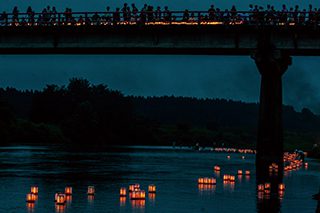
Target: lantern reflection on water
{"points": [[30, 207], [152, 188], [61, 199], [68, 190], [138, 195], [90, 198], [206, 187], [123, 192], [138, 203], [31, 198], [91, 190], [34, 190], [122, 201], [60, 208]]}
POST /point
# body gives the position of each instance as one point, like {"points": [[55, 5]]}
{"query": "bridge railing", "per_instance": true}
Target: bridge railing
{"points": [[276, 18]]}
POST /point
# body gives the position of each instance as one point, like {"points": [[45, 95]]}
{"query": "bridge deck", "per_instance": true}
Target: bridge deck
{"points": [[157, 39]]}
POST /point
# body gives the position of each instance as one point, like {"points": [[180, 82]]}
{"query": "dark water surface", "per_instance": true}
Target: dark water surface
{"points": [[175, 174]]}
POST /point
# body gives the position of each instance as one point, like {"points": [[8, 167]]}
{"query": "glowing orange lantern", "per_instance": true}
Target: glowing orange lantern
{"points": [[34, 190], [232, 178], [123, 192], [226, 177], [61, 199], [31, 198], [247, 172], [152, 189], [282, 187], [200, 180], [217, 168], [260, 187], [134, 187], [239, 172], [68, 190], [267, 187], [91, 190], [138, 195], [228, 157]]}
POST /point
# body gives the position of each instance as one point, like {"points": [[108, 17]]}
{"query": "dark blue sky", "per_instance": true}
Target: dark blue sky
{"points": [[201, 76]]}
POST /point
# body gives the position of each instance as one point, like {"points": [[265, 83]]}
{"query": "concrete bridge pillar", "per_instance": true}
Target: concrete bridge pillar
{"points": [[272, 64]]}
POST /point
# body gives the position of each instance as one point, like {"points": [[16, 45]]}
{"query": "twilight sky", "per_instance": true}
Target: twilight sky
{"points": [[201, 76]]}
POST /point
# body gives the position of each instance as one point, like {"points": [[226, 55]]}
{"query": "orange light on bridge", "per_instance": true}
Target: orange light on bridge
{"points": [[34, 190], [152, 188], [91, 190], [31, 198], [68, 190]]}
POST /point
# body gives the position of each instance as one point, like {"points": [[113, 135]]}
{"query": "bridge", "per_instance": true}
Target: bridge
{"points": [[269, 42]]}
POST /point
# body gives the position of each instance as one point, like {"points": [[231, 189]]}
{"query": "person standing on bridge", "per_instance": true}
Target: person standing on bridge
{"points": [[135, 12], [212, 13], [4, 18], [158, 14], [167, 14], [15, 15], [186, 16], [116, 16]]}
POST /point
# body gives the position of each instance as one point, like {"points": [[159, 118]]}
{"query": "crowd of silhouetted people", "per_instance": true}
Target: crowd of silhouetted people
{"points": [[148, 14]]}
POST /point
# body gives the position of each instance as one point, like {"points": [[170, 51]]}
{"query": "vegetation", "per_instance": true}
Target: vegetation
{"points": [[81, 114]]}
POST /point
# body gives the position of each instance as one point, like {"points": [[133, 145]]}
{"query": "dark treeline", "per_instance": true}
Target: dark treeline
{"points": [[82, 114]]}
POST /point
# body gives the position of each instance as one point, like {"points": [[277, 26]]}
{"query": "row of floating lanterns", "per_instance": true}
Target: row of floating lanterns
{"points": [[60, 198]]}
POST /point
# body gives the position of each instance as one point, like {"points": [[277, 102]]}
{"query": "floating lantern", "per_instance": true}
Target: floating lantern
{"points": [[267, 188], [152, 189], [282, 187], [239, 172], [228, 157], [260, 187], [68, 190], [217, 168], [134, 187], [123, 192], [243, 157], [61, 199], [305, 164], [200, 180], [247, 172], [138, 195], [91, 190], [232, 178], [34, 190], [31, 198], [226, 177]]}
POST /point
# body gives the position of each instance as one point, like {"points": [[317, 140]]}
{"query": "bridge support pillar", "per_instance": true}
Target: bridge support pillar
{"points": [[272, 64]]}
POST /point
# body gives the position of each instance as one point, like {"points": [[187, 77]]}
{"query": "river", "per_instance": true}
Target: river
{"points": [[174, 172]]}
